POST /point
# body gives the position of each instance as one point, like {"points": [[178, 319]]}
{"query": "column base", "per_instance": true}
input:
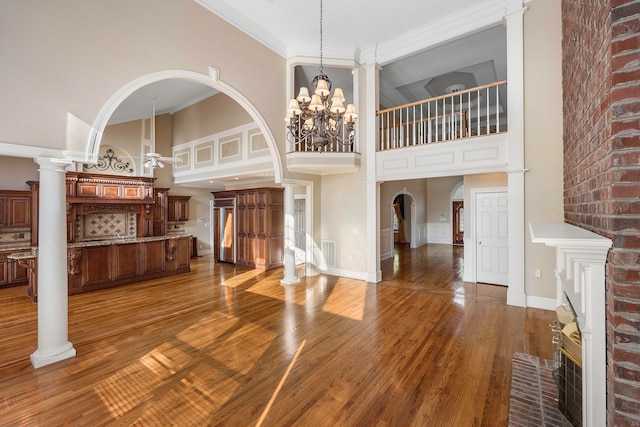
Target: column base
{"points": [[286, 281], [41, 358]]}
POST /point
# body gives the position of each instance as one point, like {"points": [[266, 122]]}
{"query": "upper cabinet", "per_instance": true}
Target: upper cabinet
{"points": [[178, 208], [15, 209], [160, 212]]}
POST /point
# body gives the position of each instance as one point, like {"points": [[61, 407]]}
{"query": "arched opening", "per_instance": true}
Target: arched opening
{"points": [[211, 80]]}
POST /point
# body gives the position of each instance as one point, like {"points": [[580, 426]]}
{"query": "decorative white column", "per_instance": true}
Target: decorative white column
{"points": [[370, 135], [514, 19], [290, 277], [53, 323], [580, 281]]}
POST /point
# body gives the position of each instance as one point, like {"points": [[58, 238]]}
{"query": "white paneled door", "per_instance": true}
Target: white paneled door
{"points": [[492, 238]]}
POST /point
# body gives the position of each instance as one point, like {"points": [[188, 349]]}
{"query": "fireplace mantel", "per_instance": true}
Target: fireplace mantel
{"points": [[580, 281]]}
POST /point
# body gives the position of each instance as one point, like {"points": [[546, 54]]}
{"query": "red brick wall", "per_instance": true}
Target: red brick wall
{"points": [[601, 108]]}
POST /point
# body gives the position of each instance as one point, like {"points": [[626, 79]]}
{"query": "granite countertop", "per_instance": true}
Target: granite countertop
{"points": [[31, 252], [15, 248], [124, 241], [16, 256]]}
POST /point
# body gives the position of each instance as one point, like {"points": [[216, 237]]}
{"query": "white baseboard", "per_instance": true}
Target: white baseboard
{"points": [[358, 275], [543, 303]]}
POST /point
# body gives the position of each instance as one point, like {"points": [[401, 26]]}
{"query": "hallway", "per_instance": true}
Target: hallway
{"points": [[224, 345]]}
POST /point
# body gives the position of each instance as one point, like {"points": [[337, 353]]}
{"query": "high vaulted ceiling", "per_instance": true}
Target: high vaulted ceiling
{"points": [[352, 30], [292, 27]]}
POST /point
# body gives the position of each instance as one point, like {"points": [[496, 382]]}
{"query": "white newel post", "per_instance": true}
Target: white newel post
{"points": [[290, 277], [53, 324], [580, 280]]}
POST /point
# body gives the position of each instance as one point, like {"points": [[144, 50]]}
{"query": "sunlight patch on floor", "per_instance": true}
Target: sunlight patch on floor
{"points": [[241, 278], [131, 385], [192, 402], [347, 299], [202, 333], [244, 347]]}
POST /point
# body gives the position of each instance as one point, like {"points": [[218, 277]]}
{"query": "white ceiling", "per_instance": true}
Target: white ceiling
{"points": [[169, 96], [292, 28]]}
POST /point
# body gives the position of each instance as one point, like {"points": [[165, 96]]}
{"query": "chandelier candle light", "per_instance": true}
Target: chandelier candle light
{"points": [[316, 123]]}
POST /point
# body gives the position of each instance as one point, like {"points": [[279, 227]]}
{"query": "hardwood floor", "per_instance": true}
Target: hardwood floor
{"points": [[226, 346]]}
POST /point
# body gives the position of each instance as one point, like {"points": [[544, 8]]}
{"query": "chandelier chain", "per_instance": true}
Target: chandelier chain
{"points": [[321, 65]]}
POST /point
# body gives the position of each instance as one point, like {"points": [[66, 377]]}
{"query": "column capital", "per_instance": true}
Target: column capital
{"points": [[52, 164]]}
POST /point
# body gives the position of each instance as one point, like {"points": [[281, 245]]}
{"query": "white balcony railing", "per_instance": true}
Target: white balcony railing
{"points": [[463, 114]]}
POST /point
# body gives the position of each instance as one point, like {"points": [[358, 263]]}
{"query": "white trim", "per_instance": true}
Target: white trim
{"points": [[470, 235], [514, 20], [238, 20], [542, 303], [349, 274], [481, 16], [581, 256], [211, 80]]}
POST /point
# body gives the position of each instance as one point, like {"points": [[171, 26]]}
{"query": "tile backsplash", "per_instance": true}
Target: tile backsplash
{"points": [[102, 226], [15, 238]]}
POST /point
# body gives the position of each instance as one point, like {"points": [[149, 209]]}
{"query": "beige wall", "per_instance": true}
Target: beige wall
{"points": [[212, 115], [543, 138], [344, 218], [415, 187], [16, 172], [93, 49], [439, 198]]}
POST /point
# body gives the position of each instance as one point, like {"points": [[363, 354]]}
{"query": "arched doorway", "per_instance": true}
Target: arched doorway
{"points": [[403, 219]]}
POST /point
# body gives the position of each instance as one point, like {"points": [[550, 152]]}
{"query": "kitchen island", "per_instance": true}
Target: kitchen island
{"points": [[101, 264]]}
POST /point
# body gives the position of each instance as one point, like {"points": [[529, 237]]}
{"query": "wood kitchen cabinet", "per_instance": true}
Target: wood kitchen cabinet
{"points": [[15, 209], [11, 273], [259, 221], [178, 208], [160, 211]]}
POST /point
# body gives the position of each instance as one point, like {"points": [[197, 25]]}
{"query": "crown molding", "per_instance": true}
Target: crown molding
{"points": [[249, 27], [484, 15]]}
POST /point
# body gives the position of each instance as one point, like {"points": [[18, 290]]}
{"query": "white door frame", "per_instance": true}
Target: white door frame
{"points": [[470, 235]]}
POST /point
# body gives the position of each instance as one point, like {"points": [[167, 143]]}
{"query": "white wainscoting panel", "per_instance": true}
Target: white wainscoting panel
{"points": [[422, 234], [439, 232], [228, 153], [386, 243], [468, 156]]}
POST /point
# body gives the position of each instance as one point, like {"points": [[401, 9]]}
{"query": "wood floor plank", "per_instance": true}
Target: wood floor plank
{"points": [[216, 346]]}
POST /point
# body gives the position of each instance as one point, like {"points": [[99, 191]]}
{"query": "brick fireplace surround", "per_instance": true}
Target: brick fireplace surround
{"points": [[601, 109]]}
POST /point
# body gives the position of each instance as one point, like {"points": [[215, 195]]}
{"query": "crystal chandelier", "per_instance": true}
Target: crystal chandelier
{"points": [[316, 123]]}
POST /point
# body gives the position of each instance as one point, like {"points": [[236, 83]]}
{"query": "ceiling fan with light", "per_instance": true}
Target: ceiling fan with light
{"points": [[154, 159]]}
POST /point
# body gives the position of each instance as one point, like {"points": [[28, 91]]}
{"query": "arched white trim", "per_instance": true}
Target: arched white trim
{"points": [[452, 198], [211, 80], [455, 189], [413, 238]]}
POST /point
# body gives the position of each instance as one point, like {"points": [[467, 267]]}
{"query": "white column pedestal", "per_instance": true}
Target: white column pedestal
{"points": [[290, 277], [53, 325]]}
